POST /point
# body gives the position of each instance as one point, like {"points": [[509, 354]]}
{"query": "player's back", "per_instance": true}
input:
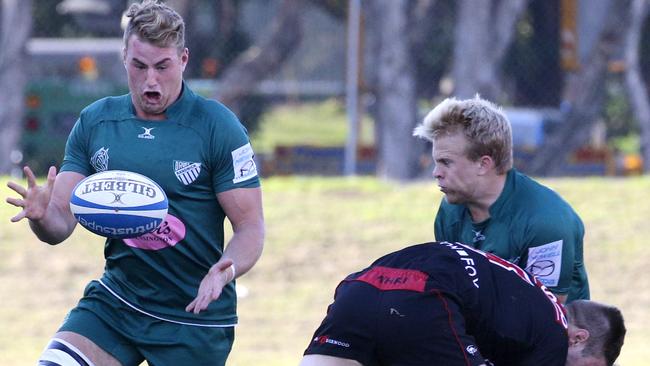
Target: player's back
{"points": [[509, 313]]}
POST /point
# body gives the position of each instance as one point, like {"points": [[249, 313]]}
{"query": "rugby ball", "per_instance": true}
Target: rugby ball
{"points": [[119, 204]]}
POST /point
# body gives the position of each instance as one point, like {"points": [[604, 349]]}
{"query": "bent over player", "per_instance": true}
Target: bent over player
{"points": [[166, 297], [448, 304]]}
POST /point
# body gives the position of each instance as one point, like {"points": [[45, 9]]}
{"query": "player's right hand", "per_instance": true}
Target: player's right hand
{"points": [[35, 198]]}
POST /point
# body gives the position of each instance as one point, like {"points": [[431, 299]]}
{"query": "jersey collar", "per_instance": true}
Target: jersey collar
{"points": [[176, 111]]}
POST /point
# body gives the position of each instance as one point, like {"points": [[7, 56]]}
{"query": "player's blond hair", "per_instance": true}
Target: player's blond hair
{"points": [[483, 124], [156, 23]]}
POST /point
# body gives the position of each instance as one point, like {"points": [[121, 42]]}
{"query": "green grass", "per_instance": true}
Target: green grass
{"points": [[319, 230], [318, 124]]}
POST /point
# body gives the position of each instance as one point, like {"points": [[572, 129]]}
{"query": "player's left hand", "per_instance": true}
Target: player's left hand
{"points": [[211, 285]]}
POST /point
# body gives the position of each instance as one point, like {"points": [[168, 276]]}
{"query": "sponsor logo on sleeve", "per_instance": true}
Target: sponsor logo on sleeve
{"points": [[243, 164], [545, 261], [325, 339]]}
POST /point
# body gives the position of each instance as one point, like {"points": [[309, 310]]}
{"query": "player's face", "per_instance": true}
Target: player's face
{"points": [[155, 76], [457, 175]]}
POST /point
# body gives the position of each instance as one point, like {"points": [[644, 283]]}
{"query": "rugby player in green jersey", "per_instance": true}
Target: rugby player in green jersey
{"points": [[490, 205], [167, 297]]}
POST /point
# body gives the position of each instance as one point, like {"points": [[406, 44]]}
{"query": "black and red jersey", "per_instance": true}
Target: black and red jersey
{"points": [[443, 303]]}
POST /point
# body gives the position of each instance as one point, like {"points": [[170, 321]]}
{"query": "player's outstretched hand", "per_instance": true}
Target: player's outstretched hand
{"points": [[210, 289], [35, 198]]}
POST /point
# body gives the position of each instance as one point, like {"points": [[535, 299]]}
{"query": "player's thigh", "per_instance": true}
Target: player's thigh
{"points": [[322, 360], [424, 329], [178, 344], [100, 324], [72, 349]]}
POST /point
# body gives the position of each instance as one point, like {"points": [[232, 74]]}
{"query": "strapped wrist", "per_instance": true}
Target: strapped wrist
{"points": [[234, 272]]}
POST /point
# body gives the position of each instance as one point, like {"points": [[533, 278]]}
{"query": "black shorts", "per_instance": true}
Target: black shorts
{"points": [[394, 324]]}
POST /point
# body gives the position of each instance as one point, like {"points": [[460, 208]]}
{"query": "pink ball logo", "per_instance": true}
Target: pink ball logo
{"points": [[168, 234]]}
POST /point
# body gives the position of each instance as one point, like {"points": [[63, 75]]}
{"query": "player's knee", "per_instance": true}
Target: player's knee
{"points": [[62, 353]]}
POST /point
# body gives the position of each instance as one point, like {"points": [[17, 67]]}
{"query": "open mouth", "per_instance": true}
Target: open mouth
{"points": [[152, 96]]}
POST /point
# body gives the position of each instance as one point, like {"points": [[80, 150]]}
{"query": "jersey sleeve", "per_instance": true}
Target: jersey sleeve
{"points": [[552, 251], [76, 157], [235, 165]]}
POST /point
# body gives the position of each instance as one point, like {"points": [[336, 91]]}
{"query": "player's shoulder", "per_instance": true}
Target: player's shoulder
{"points": [[108, 108], [535, 196], [212, 113], [536, 208]]}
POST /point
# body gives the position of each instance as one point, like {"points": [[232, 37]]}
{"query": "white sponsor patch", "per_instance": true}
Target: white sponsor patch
{"points": [[545, 262], [243, 163]]}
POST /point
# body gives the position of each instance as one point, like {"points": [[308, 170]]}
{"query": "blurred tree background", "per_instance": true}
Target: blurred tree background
{"points": [[571, 74]]}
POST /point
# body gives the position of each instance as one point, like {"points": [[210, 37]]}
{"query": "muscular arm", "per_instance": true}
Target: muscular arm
{"points": [[243, 206], [47, 207]]}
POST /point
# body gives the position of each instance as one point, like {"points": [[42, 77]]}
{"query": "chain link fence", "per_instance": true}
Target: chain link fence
{"points": [[75, 58]]}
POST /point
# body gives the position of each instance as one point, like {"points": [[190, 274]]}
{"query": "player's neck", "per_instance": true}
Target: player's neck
{"points": [[581, 360], [490, 190]]}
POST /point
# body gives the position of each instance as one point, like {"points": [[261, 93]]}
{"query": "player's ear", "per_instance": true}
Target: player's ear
{"points": [[485, 164], [578, 336], [185, 56]]}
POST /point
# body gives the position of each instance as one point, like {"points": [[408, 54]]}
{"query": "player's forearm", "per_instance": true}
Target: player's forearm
{"points": [[55, 226], [246, 246]]}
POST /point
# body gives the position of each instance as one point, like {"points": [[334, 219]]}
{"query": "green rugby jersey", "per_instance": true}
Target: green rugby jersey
{"points": [[529, 225], [201, 149]]}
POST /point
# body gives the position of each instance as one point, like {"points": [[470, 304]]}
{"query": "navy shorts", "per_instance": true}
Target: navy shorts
{"points": [[391, 324]]}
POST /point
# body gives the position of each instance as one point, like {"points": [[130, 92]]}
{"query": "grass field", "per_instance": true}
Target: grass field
{"points": [[318, 230]]}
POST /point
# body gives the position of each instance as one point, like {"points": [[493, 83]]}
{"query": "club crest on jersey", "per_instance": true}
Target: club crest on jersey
{"points": [[186, 171], [147, 134], [99, 160]]}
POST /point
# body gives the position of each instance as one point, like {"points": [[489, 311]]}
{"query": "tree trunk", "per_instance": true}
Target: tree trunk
{"points": [[395, 92], [635, 87], [484, 31], [15, 28], [263, 58], [583, 95]]}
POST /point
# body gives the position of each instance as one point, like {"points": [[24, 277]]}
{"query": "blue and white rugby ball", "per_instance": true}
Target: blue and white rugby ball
{"points": [[119, 204]]}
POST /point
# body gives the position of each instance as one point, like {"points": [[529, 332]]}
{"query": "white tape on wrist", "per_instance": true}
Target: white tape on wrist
{"points": [[234, 273]]}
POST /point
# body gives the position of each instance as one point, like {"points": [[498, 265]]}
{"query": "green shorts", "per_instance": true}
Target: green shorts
{"points": [[133, 337]]}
